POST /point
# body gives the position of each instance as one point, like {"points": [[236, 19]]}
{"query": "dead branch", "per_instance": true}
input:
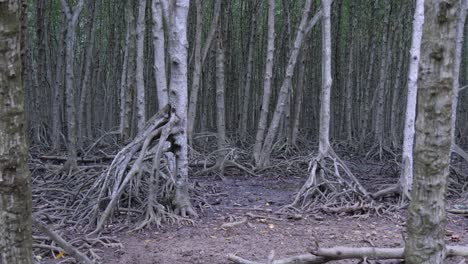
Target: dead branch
{"points": [[62, 243], [324, 255]]}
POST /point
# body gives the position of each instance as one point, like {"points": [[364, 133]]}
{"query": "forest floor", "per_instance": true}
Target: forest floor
{"points": [[241, 220], [255, 199]]}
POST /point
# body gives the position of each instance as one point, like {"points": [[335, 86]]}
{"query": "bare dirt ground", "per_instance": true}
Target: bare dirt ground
{"points": [[208, 241]]}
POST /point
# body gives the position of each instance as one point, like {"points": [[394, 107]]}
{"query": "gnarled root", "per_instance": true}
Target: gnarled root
{"points": [[330, 184], [143, 175]]}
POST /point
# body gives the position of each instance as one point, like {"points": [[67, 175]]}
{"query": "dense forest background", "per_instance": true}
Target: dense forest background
{"points": [[370, 51]]}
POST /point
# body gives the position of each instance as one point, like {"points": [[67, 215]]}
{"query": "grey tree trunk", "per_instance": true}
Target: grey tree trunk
{"points": [[57, 100], [426, 214], [87, 72], [406, 178], [198, 63], [159, 54], [264, 157], [248, 80], [262, 123], [15, 184], [70, 39], [178, 98], [220, 104], [140, 81]]}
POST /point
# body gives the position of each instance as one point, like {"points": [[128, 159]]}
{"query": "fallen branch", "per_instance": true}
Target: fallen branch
{"points": [[324, 255], [67, 247]]}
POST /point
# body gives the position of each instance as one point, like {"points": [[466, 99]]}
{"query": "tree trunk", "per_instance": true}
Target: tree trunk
{"points": [[70, 39], [87, 71], [264, 157], [457, 63], [220, 104], [324, 130], [248, 79], [140, 82], [15, 184], [406, 178], [57, 100], [178, 99], [159, 54], [267, 79], [426, 214], [192, 111]]}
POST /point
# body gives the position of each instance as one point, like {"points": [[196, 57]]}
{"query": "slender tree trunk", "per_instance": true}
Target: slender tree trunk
{"points": [[124, 91], [267, 79], [159, 54], [57, 100], [178, 98], [264, 157], [15, 183], [140, 82], [298, 98], [379, 116], [192, 111], [220, 104], [406, 178], [426, 214], [457, 64], [85, 83], [324, 130], [70, 39], [248, 79]]}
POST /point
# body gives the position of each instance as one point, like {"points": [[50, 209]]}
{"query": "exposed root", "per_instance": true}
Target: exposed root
{"points": [[330, 184], [142, 176]]}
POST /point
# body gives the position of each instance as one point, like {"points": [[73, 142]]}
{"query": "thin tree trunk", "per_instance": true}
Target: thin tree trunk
{"points": [[72, 21], [220, 104], [426, 214], [264, 157], [298, 98], [406, 177], [87, 71], [324, 130], [267, 79], [140, 82], [248, 79], [57, 100], [379, 116], [124, 91], [15, 183], [198, 63], [159, 54], [457, 64]]}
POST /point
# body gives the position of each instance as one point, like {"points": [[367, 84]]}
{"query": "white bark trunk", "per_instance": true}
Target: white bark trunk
{"points": [[406, 178], [140, 81], [262, 123], [324, 130], [179, 99], [159, 54]]}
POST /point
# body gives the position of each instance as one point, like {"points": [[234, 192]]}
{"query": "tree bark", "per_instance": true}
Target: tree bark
{"points": [[87, 71], [179, 99], [140, 81], [426, 213], [198, 63], [70, 39], [406, 177], [159, 54], [15, 184], [267, 79], [220, 104]]}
